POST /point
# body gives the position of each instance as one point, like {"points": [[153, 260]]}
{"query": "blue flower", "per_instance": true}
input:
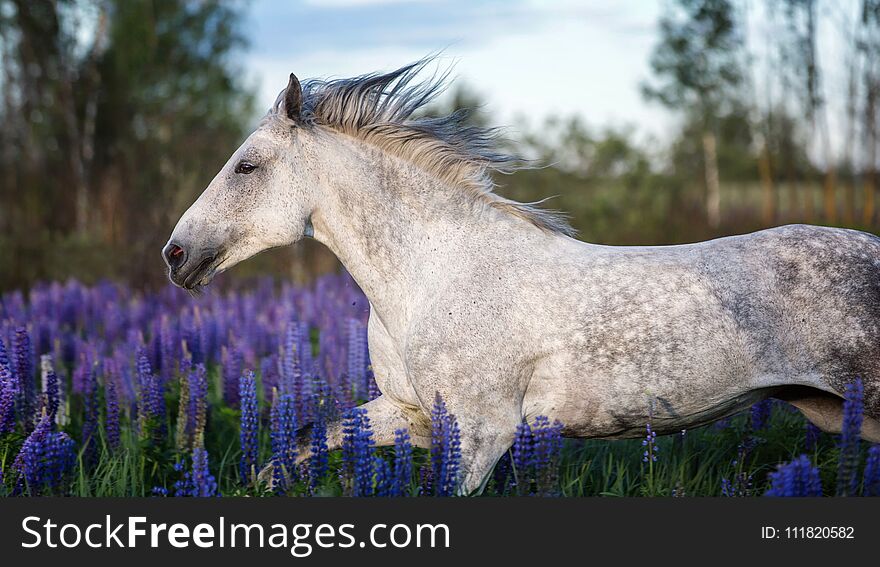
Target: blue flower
{"points": [[741, 484], [232, 362], [536, 454], [198, 482], [403, 463], [90, 423], [151, 399], [283, 421], [22, 367], [871, 483], [796, 478], [51, 399], [650, 445], [249, 426], [319, 458], [45, 460], [357, 451], [204, 484], [358, 358], [197, 382], [850, 436], [384, 477], [760, 414], [445, 450], [8, 393], [522, 450], [111, 395]]}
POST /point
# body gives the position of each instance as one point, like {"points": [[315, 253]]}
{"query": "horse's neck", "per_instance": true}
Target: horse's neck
{"points": [[390, 223]]}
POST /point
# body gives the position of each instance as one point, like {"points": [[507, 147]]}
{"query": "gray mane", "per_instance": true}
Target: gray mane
{"points": [[379, 108]]}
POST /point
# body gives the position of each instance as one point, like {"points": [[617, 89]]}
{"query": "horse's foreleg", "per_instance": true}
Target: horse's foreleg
{"points": [[483, 443], [487, 424], [385, 419]]}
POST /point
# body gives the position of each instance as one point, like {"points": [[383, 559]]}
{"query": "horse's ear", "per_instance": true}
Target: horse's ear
{"points": [[293, 96]]}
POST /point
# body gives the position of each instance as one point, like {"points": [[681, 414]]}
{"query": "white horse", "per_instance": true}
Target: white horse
{"points": [[492, 304]]}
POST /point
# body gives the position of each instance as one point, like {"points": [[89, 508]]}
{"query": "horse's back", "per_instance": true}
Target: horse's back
{"points": [[790, 305]]}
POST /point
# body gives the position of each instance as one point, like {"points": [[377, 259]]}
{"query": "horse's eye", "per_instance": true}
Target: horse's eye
{"points": [[245, 167]]}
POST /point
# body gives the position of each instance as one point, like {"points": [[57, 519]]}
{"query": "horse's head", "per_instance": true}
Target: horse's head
{"points": [[259, 200]]}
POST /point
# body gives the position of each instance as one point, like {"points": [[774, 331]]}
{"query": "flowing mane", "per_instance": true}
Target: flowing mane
{"points": [[379, 108]]}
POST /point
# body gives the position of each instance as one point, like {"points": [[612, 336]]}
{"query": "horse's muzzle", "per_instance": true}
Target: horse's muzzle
{"points": [[188, 270]]}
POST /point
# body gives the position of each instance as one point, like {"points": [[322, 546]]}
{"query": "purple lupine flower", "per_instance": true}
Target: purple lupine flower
{"points": [[90, 422], [522, 456], [871, 482], [547, 454], [232, 362], [426, 480], [741, 483], [384, 477], [283, 425], [197, 382], [650, 445], [536, 454], [111, 401], [191, 338], [204, 483], [357, 451], [45, 460], [796, 478], [81, 372], [847, 468], [8, 393], [51, 393], [304, 351], [151, 399], [22, 367], [373, 391], [320, 404], [291, 373], [358, 358], [445, 449], [269, 375], [249, 426], [319, 456], [403, 464], [198, 482], [759, 414]]}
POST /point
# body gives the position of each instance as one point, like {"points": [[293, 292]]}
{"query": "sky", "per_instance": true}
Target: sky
{"points": [[527, 59]]}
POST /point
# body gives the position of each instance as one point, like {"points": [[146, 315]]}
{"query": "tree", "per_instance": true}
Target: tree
{"points": [[869, 47], [698, 72], [114, 113]]}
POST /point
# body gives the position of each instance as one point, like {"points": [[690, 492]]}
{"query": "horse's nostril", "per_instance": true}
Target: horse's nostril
{"points": [[175, 256]]}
